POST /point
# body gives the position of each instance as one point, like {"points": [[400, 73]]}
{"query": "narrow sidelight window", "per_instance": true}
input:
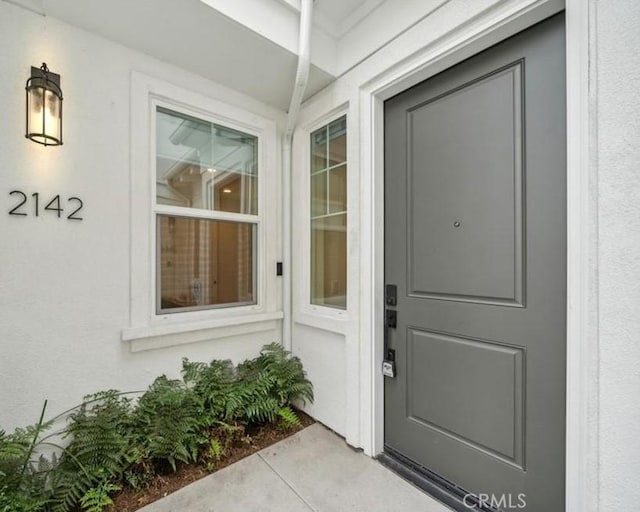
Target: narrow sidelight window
{"points": [[329, 215]]}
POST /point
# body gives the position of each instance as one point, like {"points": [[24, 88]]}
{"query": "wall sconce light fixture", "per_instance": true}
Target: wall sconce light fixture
{"points": [[44, 107]]}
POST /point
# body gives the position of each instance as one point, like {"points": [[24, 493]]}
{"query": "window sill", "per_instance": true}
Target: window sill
{"points": [[325, 319], [161, 336]]}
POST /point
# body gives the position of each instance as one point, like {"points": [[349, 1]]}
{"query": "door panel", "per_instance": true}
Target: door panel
{"points": [[439, 362], [475, 240], [482, 258]]}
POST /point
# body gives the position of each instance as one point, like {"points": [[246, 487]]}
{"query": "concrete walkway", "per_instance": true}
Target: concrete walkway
{"points": [[312, 471]]}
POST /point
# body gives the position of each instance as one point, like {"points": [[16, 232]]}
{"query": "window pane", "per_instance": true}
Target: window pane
{"points": [[329, 215], [204, 263], [204, 165], [338, 189], [319, 150], [319, 194], [329, 261], [338, 142]]}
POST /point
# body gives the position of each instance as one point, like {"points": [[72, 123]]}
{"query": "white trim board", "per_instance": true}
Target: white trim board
{"points": [[465, 41], [178, 328]]}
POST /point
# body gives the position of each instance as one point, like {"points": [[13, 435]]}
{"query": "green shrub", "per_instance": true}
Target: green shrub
{"points": [[14, 453], [213, 454], [211, 384], [97, 498], [112, 441], [14, 501], [259, 390], [288, 418], [24, 471], [166, 422], [267, 386], [100, 433], [100, 437], [139, 471]]}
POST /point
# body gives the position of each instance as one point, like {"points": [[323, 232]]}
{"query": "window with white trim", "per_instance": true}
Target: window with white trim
{"points": [[206, 213], [329, 215]]}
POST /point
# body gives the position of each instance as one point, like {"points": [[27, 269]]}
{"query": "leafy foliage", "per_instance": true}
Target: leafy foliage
{"points": [[288, 418], [23, 471], [166, 421], [12, 501], [290, 382], [211, 384], [139, 469], [97, 498], [256, 391], [100, 433], [267, 384], [113, 441], [100, 438], [213, 454]]}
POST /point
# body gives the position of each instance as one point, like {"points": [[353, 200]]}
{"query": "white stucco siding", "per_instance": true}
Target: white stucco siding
{"points": [[323, 353], [65, 285], [617, 61]]}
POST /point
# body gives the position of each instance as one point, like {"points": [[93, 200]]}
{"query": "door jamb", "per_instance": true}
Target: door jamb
{"points": [[581, 399]]}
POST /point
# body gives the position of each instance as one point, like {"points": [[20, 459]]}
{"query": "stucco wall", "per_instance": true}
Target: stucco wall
{"points": [[66, 285], [617, 88]]}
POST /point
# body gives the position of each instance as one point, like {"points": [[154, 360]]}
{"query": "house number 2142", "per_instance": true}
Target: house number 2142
{"points": [[53, 206]]}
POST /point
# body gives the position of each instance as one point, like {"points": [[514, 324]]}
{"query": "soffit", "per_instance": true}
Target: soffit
{"points": [[192, 36], [337, 17]]}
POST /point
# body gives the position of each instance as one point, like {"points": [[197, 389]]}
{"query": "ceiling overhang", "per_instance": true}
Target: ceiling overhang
{"points": [[192, 36], [250, 46]]}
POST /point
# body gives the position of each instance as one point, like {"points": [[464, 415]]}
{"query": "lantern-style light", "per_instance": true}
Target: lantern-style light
{"points": [[44, 107]]}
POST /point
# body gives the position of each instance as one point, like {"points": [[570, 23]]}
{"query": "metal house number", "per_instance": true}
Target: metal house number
{"points": [[55, 206]]}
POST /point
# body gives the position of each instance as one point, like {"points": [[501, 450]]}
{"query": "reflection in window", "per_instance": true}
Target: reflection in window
{"points": [[207, 214], [204, 263], [203, 165], [329, 215]]}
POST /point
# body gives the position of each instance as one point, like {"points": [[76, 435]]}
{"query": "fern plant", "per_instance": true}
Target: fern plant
{"points": [[98, 497], [288, 418], [258, 391], [100, 433], [267, 386], [110, 440], [291, 383], [211, 384], [23, 470], [13, 501], [166, 422], [213, 454], [99, 437], [250, 401], [139, 471]]}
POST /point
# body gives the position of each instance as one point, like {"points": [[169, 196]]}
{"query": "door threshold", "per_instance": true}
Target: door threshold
{"points": [[446, 492]]}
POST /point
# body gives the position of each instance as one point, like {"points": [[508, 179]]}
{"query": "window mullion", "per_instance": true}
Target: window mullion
{"points": [[198, 213]]}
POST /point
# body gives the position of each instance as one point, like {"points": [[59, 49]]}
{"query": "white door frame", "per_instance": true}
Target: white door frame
{"points": [[512, 17]]}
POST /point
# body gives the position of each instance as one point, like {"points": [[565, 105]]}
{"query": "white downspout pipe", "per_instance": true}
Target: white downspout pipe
{"points": [[302, 77]]}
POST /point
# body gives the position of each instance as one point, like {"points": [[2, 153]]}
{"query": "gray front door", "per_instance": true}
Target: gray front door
{"points": [[475, 242]]}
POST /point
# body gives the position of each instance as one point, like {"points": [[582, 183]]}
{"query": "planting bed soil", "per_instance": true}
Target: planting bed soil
{"points": [[130, 500]]}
